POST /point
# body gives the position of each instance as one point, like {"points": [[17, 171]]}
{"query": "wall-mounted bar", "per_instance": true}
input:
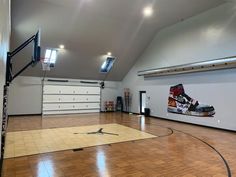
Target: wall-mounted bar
{"points": [[210, 65]]}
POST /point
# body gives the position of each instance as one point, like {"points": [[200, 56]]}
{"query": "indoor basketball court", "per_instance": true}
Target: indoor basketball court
{"points": [[134, 88], [23, 143]]}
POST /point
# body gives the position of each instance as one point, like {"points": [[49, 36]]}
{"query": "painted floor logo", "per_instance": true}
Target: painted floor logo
{"points": [[179, 102]]}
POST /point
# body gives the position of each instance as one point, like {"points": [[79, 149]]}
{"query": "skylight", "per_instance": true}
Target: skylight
{"points": [[50, 56], [107, 65]]}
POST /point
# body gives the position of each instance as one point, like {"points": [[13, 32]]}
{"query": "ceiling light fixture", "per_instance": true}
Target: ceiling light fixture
{"points": [[109, 53], [61, 46], [148, 11]]}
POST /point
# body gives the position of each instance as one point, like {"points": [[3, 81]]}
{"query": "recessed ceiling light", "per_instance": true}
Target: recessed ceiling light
{"points": [[61, 46], [147, 11], [109, 53]]}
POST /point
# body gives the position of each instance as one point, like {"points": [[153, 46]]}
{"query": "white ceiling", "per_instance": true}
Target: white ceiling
{"points": [[91, 28]]}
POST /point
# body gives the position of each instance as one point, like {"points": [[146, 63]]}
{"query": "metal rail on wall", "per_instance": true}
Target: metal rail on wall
{"points": [[209, 65]]}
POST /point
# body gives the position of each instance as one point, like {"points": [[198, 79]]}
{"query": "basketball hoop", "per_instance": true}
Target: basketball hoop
{"points": [[10, 76]]}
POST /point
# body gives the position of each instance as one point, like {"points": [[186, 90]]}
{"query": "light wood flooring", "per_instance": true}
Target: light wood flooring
{"points": [[178, 150], [23, 143]]}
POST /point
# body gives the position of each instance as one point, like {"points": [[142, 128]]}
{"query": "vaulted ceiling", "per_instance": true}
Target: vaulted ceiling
{"points": [[91, 28]]}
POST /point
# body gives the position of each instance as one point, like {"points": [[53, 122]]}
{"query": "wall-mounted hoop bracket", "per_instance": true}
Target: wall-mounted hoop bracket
{"points": [[10, 77], [35, 58]]}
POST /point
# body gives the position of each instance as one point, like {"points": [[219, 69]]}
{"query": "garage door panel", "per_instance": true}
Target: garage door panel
{"points": [[71, 98], [75, 99]]}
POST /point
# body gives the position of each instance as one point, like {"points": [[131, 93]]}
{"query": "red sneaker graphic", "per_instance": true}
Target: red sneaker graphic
{"points": [[179, 102]]}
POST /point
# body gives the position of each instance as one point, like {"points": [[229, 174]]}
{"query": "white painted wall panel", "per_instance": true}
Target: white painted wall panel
{"points": [[29, 91], [5, 30], [206, 36], [111, 91], [25, 96]]}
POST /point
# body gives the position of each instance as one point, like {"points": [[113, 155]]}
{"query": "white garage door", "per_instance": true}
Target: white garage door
{"points": [[70, 99]]}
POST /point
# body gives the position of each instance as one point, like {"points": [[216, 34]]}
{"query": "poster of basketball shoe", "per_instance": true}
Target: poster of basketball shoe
{"points": [[179, 102]]}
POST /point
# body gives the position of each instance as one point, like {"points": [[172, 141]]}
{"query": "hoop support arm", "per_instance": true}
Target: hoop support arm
{"points": [[10, 55]]}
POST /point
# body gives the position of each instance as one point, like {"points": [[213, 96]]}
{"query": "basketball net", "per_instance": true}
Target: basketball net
{"points": [[45, 65]]}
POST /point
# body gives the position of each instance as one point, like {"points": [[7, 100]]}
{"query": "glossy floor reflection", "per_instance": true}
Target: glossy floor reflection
{"points": [[170, 154], [23, 143]]}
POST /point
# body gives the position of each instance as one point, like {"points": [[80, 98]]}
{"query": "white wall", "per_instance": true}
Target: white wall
{"points": [[110, 92], [5, 29], [25, 95], [206, 36]]}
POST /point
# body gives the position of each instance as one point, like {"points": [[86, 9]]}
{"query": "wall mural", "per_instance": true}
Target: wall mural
{"points": [[179, 102]]}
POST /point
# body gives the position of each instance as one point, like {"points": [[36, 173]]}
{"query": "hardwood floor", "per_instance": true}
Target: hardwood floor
{"points": [[31, 142], [179, 150]]}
